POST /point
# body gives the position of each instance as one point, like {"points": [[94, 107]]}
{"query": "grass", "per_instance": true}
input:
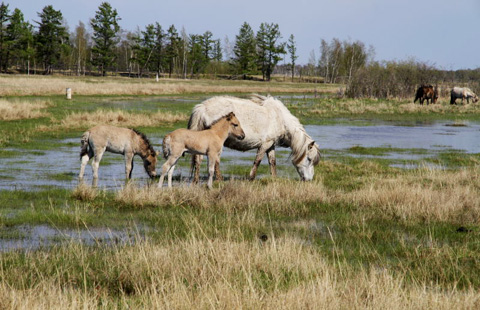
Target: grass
{"points": [[362, 234], [17, 110], [394, 234]]}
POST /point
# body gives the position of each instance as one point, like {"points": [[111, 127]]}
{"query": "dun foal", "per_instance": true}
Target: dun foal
{"points": [[128, 142], [206, 142]]}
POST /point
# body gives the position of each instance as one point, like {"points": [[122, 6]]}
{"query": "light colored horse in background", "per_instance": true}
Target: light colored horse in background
{"points": [[206, 142], [129, 142], [267, 123], [464, 93]]}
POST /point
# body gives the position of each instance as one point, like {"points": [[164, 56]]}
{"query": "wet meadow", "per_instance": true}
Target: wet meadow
{"points": [[389, 221]]}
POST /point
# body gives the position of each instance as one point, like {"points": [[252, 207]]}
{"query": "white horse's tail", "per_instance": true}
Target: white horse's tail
{"points": [[196, 121], [84, 143], [166, 146]]}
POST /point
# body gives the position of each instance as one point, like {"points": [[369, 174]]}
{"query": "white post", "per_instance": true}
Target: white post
{"points": [[69, 93]]}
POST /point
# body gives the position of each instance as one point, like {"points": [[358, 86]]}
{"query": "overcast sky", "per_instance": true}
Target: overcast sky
{"points": [[444, 33]]}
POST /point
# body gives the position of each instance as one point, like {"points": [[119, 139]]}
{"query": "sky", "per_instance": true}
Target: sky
{"points": [[442, 33]]}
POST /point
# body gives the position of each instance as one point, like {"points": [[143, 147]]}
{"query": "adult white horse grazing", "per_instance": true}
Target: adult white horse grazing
{"points": [[128, 142], [267, 123], [464, 93]]}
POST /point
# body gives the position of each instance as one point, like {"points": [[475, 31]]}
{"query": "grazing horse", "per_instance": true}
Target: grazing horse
{"points": [[267, 123], [128, 142], [206, 142], [464, 93], [426, 92]]}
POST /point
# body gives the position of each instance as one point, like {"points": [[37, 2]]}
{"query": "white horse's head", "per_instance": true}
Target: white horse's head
{"points": [[306, 162]]}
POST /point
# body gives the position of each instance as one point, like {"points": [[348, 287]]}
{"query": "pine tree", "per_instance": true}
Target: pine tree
{"points": [[158, 57], [20, 40], [292, 49], [105, 36], [4, 20], [144, 47], [172, 48], [52, 36], [268, 48], [244, 50]]}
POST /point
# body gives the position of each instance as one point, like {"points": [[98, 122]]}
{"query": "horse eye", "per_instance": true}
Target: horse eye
{"points": [[235, 125]]}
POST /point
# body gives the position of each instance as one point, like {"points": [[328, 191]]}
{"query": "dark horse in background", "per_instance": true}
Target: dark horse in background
{"points": [[426, 92]]}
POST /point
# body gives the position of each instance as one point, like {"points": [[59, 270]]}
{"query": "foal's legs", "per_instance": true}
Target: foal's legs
{"points": [[170, 174], [85, 159], [212, 160], [128, 165], [96, 162], [166, 167]]}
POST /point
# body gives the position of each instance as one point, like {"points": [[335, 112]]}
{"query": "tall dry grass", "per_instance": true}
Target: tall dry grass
{"points": [[54, 85], [393, 107], [202, 273], [119, 118], [16, 110], [424, 194]]}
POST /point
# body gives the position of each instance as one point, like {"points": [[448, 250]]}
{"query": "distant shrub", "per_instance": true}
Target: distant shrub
{"points": [[391, 79]]}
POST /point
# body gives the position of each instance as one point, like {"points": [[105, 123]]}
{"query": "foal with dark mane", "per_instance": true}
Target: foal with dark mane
{"points": [[128, 142], [205, 142]]}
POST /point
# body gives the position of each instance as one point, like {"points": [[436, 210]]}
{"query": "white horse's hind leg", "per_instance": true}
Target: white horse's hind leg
{"points": [[197, 162]]}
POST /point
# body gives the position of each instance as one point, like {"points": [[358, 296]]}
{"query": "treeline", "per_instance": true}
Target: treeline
{"points": [[49, 46]]}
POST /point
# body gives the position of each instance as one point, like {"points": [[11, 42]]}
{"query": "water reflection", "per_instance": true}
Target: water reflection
{"points": [[60, 167]]}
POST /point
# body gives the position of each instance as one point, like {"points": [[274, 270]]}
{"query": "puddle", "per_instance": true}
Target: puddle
{"points": [[34, 237], [60, 167]]}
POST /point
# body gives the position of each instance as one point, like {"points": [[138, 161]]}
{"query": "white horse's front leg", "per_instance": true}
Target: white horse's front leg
{"points": [[258, 159], [272, 161]]}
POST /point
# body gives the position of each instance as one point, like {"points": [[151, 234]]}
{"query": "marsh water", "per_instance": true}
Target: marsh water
{"points": [[32, 170]]}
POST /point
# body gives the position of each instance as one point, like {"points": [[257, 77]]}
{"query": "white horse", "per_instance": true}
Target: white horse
{"points": [[267, 123], [464, 93]]}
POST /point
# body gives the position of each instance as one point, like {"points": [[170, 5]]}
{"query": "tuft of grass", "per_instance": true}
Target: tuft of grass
{"points": [[17, 110]]}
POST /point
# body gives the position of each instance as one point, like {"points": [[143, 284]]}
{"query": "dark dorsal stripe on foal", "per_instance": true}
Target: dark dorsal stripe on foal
{"points": [[144, 137]]}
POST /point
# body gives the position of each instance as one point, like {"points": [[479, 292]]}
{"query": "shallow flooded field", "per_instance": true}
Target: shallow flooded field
{"points": [[405, 145]]}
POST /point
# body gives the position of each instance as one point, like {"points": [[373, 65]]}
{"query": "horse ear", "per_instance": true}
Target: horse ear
{"points": [[312, 144], [230, 115]]}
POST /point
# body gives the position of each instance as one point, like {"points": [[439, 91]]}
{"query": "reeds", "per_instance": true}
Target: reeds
{"points": [[202, 273], [16, 110], [424, 194], [119, 118], [54, 85]]}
